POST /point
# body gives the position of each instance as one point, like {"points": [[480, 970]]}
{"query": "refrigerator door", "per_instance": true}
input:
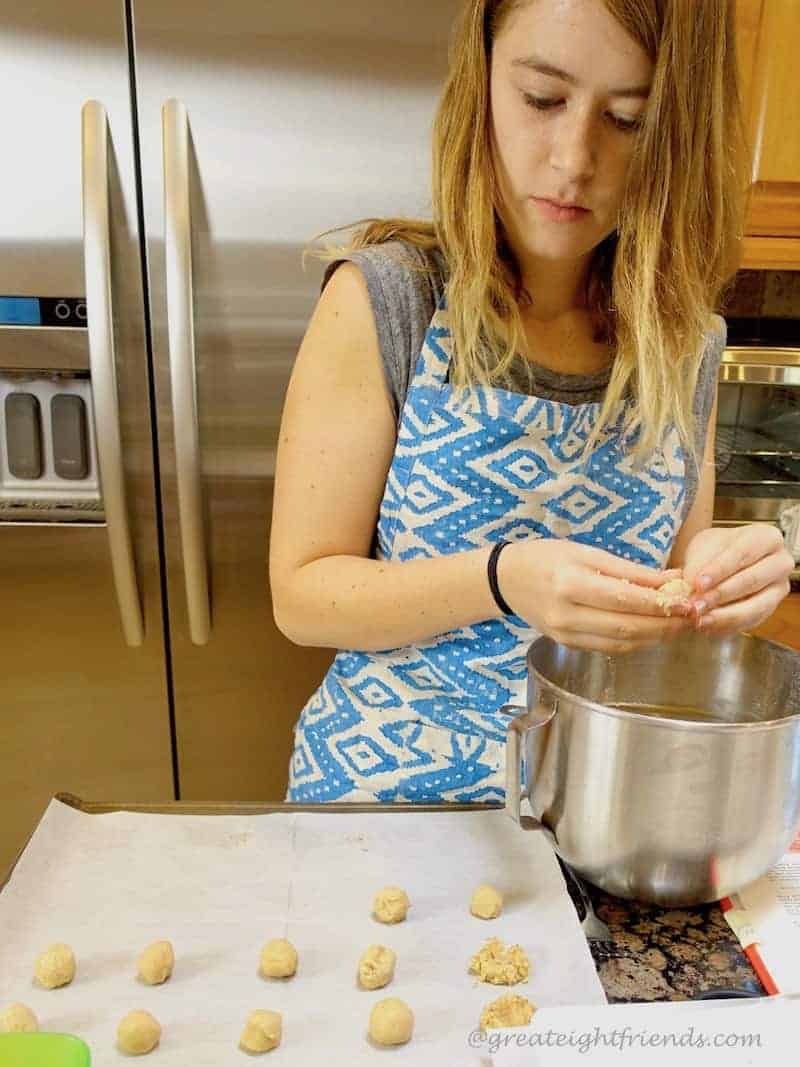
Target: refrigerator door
{"points": [[273, 122], [83, 678]]}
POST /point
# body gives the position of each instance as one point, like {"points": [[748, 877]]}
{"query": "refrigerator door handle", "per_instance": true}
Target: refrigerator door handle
{"points": [[100, 331], [180, 326]]}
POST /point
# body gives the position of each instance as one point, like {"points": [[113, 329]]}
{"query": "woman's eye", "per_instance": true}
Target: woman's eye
{"points": [[544, 103]]}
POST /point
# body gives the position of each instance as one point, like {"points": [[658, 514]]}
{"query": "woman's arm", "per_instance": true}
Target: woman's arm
{"points": [[739, 574], [336, 444], [701, 512]]}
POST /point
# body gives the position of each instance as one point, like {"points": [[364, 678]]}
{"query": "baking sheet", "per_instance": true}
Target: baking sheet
{"points": [[219, 887]]}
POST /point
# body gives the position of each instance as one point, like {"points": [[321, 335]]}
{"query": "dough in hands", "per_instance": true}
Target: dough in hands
{"points": [[55, 967], [262, 1031], [138, 1033], [278, 959], [376, 967], [508, 1010], [671, 593], [391, 1022], [500, 965], [156, 963], [487, 902], [391, 904], [18, 1019]]}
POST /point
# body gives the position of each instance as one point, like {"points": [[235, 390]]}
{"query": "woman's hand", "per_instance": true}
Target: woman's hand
{"points": [[739, 576], [586, 598]]}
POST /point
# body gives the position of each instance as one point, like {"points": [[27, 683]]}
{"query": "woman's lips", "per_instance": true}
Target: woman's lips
{"points": [[549, 210]]}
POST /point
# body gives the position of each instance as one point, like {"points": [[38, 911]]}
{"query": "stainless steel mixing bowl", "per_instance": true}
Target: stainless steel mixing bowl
{"points": [[670, 775]]}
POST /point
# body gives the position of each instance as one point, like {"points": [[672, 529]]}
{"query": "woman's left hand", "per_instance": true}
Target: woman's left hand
{"points": [[738, 575]]}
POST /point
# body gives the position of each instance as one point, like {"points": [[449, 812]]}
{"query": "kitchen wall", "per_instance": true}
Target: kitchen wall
{"points": [[764, 293]]}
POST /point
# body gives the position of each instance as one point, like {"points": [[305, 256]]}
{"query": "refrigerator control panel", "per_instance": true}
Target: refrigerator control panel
{"points": [[48, 460], [43, 311]]}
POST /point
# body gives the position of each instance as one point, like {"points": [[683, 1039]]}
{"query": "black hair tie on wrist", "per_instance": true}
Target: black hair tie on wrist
{"points": [[492, 572]]}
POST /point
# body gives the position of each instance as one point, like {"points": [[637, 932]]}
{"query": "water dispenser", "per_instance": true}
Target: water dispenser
{"points": [[48, 455]]}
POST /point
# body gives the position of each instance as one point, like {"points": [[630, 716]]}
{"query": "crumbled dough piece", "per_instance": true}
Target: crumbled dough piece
{"points": [[156, 962], [138, 1033], [508, 1010], [391, 905], [376, 967], [18, 1019], [487, 902], [391, 1022], [262, 1031], [55, 967], [671, 593], [278, 959], [499, 964]]}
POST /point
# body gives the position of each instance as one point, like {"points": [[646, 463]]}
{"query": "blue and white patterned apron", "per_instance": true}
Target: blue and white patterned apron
{"points": [[421, 723]]}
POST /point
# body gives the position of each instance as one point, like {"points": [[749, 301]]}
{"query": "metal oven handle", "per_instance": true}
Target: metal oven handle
{"points": [[100, 332], [180, 325]]}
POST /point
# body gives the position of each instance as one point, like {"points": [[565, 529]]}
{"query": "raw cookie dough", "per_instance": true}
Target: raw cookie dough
{"points": [[376, 967], [487, 902], [138, 1033], [18, 1019], [391, 1022], [278, 959], [499, 964], [508, 1010], [672, 593], [262, 1031], [156, 963], [55, 967], [391, 905]]}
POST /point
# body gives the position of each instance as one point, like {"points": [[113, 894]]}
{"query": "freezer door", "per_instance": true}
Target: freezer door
{"points": [[81, 709], [281, 120]]}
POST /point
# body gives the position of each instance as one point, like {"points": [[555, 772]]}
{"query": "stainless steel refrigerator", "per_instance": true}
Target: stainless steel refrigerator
{"points": [[164, 164]]}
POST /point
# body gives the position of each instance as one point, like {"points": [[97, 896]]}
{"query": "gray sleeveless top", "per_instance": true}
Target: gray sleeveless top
{"points": [[404, 300]]}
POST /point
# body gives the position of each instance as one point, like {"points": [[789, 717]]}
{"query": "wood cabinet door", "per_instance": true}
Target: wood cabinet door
{"points": [[768, 41]]}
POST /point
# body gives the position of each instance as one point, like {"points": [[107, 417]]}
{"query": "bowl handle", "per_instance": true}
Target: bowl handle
{"points": [[521, 722]]}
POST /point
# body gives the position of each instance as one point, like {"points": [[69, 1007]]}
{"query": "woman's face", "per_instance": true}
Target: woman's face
{"points": [[564, 138]]}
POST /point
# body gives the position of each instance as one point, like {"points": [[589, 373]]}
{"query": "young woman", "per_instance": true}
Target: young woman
{"points": [[500, 424]]}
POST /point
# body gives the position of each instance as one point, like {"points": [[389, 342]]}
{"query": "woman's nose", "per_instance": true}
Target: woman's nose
{"points": [[573, 148]]}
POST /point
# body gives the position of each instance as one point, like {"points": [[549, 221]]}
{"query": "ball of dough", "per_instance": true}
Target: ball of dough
{"points": [[508, 1010], [376, 967], [487, 902], [262, 1031], [55, 967], [671, 593], [390, 905], [18, 1019], [391, 1022], [499, 964], [156, 963], [138, 1033], [278, 959]]}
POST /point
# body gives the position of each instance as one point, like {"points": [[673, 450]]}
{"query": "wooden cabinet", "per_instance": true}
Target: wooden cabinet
{"points": [[784, 625], [768, 50]]}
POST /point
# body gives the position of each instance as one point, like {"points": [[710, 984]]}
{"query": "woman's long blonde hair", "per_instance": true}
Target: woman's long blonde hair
{"points": [[654, 282]]}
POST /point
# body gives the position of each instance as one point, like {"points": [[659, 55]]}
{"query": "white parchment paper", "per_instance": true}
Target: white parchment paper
{"points": [[219, 887]]}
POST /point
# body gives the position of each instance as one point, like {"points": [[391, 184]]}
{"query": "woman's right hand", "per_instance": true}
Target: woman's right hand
{"points": [[584, 597]]}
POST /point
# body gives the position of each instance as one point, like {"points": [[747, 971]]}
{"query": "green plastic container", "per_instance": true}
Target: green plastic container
{"points": [[43, 1050]]}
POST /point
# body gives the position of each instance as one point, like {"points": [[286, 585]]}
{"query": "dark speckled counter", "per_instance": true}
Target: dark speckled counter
{"points": [[667, 954]]}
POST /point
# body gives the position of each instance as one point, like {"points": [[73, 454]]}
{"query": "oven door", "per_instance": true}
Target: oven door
{"points": [[758, 441]]}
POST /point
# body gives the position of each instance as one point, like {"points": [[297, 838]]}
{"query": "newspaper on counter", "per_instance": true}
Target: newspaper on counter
{"points": [[765, 916]]}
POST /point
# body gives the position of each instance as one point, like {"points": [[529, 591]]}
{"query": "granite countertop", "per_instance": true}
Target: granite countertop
{"points": [[666, 953]]}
